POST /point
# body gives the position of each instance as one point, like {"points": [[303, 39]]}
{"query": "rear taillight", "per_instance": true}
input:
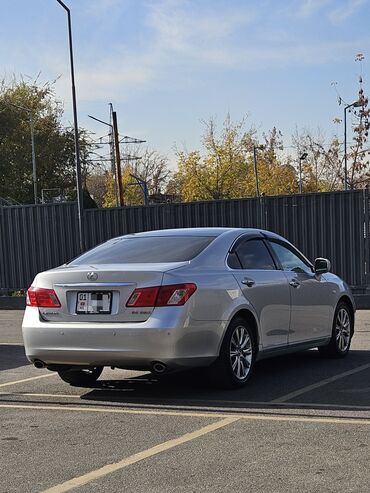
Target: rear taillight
{"points": [[143, 297], [172, 295], [42, 297]]}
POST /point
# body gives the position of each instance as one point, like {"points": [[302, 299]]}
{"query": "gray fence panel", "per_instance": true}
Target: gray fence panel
{"points": [[334, 225], [36, 238], [329, 225], [102, 224]]}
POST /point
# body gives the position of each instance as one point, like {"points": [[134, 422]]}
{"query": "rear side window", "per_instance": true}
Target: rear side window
{"points": [[146, 249], [253, 254]]}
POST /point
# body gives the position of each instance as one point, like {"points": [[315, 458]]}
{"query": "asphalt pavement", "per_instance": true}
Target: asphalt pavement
{"points": [[301, 425]]}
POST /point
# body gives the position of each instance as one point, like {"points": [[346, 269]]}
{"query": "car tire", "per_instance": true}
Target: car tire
{"points": [[234, 366], [83, 377], [342, 332]]}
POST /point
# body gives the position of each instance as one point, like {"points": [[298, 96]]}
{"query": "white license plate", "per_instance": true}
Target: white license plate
{"points": [[94, 302]]}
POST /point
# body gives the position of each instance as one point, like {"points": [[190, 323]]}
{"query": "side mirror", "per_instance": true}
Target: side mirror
{"points": [[322, 265]]}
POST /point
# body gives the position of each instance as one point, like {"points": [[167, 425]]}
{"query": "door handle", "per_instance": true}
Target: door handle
{"points": [[248, 282], [294, 283]]}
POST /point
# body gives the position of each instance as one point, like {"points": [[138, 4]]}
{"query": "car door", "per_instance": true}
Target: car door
{"points": [[265, 287], [310, 297]]}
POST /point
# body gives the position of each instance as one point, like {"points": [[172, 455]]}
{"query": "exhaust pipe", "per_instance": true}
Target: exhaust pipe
{"points": [[39, 364], [159, 367]]}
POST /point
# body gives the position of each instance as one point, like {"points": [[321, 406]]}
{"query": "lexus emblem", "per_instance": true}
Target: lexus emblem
{"points": [[92, 276]]}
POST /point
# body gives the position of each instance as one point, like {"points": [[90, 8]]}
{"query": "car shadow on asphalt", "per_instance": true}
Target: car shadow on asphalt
{"points": [[273, 379], [12, 356]]}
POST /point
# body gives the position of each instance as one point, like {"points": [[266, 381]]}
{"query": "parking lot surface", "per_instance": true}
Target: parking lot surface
{"points": [[302, 424]]}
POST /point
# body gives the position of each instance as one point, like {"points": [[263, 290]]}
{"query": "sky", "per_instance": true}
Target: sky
{"points": [[166, 65]]}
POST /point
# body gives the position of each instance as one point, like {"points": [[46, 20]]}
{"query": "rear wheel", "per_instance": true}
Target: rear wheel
{"points": [[85, 376], [235, 363], [342, 331]]}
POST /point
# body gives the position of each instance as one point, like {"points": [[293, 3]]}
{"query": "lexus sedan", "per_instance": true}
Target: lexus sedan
{"points": [[169, 300]]}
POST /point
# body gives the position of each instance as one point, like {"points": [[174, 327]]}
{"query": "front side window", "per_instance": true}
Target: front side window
{"points": [[289, 260], [253, 254]]}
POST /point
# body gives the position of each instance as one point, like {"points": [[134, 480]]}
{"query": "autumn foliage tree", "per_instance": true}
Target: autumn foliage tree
{"points": [[152, 167], [224, 168]]}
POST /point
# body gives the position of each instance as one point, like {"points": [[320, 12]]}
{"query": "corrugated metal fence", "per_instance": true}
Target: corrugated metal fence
{"points": [[333, 225]]}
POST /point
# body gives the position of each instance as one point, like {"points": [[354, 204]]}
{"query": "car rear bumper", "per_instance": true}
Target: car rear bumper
{"points": [[168, 337]]}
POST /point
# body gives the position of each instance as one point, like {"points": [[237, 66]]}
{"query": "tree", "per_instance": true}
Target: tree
{"points": [[225, 167], [54, 144], [277, 175], [359, 171], [323, 167], [97, 184], [152, 167], [357, 157]]}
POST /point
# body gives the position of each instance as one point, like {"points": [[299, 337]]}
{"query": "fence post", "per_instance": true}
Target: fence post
{"points": [[366, 265], [2, 259]]}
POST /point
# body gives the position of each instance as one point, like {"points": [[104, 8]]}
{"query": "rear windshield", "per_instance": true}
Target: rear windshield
{"points": [[145, 249]]}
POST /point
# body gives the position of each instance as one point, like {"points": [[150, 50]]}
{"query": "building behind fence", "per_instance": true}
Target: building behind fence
{"points": [[333, 225]]}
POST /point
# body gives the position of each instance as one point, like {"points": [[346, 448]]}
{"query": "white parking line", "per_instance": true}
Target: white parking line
{"points": [[196, 414], [210, 404], [14, 382], [317, 385], [133, 459]]}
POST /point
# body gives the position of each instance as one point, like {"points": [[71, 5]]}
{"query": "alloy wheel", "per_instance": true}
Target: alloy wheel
{"points": [[241, 352], [343, 330]]}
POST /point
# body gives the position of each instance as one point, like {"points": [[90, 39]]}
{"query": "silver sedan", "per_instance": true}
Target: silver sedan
{"points": [[175, 299]]}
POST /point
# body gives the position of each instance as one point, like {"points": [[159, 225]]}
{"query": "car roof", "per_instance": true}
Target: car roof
{"points": [[195, 232]]}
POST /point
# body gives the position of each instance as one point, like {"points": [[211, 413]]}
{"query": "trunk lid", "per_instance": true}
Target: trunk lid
{"points": [[114, 282]]}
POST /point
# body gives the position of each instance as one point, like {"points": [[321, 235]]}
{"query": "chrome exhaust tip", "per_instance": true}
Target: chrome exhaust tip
{"points": [[39, 364], [158, 367]]}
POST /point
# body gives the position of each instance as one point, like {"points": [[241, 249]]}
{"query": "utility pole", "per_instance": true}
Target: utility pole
{"points": [[118, 158], [113, 168], [112, 156]]}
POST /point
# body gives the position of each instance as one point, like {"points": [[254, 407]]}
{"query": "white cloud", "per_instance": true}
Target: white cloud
{"points": [[295, 54], [349, 8], [181, 26], [183, 35], [102, 79], [307, 8], [97, 8]]}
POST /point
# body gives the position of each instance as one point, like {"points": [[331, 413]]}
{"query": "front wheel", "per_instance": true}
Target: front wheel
{"points": [[83, 377], [342, 331], [235, 363]]}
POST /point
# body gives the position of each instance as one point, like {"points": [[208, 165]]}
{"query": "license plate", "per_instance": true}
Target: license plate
{"points": [[94, 302]]}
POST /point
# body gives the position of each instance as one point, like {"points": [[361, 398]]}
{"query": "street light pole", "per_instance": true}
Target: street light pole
{"points": [[34, 175], [77, 145], [301, 158], [356, 104], [144, 187], [256, 170]]}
